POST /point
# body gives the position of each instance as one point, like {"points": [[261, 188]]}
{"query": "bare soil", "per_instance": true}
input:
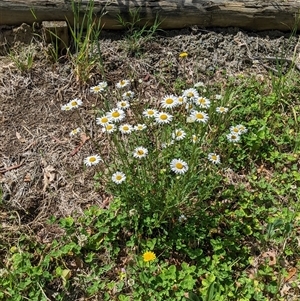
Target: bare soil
{"points": [[41, 167]]}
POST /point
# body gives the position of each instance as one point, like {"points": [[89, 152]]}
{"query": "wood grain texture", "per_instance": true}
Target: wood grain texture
{"points": [[247, 14]]}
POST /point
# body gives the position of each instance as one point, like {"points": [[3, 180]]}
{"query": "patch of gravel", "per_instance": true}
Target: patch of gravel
{"points": [[39, 175]]}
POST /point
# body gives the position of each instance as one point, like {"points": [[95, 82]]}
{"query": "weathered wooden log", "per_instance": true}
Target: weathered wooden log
{"points": [[246, 14]]}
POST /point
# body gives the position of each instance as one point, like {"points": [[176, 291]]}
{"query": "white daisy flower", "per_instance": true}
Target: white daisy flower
{"points": [[242, 129], [189, 106], [162, 118], [199, 84], [92, 160], [140, 127], [179, 166], [75, 103], [103, 120], [150, 112], [199, 116], [181, 99], [169, 102], [102, 85], [118, 177], [109, 128], [214, 158], [123, 83], [66, 107], [190, 119], [167, 144], [128, 95], [123, 104], [235, 130], [125, 128], [218, 97], [116, 115], [75, 131], [178, 134], [96, 89], [195, 139], [221, 110], [233, 137], [190, 93], [182, 218], [140, 152], [203, 102]]}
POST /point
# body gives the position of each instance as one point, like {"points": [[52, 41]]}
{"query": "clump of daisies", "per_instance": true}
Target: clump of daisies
{"points": [[235, 133], [155, 144]]}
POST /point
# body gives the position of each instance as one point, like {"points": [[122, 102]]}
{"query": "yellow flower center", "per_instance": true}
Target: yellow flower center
{"points": [[179, 165], [190, 94], [125, 128], [115, 114], [92, 159], [109, 127], [199, 116], [169, 101], [97, 88], [163, 117], [104, 119], [202, 101], [140, 152], [150, 112], [118, 177], [236, 130], [74, 103], [214, 157], [178, 134]]}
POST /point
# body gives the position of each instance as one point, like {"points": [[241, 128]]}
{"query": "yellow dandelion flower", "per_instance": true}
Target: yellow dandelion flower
{"points": [[149, 256], [183, 54]]}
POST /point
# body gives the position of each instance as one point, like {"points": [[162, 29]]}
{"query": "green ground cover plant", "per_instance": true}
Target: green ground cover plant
{"points": [[204, 186]]}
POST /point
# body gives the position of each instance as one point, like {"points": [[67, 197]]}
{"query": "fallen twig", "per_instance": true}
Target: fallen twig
{"points": [[84, 138], [4, 170]]}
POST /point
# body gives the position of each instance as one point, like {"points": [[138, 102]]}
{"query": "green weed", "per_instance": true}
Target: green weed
{"points": [[85, 53], [138, 35], [23, 57]]}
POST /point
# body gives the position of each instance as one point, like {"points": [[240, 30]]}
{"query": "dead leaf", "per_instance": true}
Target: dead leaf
{"points": [[291, 273], [49, 176], [79, 262], [27, 178], [19, 137], [271, 255], [285, 289]]}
